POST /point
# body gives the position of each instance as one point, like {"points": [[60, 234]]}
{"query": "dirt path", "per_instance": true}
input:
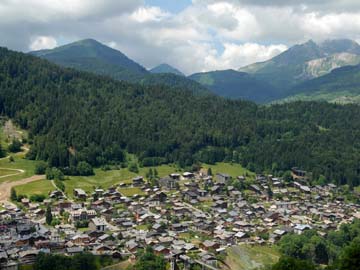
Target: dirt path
{"points": [[18, 171], [5, 187]]}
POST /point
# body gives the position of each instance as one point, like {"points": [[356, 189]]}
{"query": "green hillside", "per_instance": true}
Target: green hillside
{"points": [[90, 55], [236, 85], [341, 85]]}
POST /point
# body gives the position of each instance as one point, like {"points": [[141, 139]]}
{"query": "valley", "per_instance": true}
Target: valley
{"points": [[101, 157]]}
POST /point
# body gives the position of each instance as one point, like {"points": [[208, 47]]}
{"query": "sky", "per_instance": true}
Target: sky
{"points": [[191, 35]]}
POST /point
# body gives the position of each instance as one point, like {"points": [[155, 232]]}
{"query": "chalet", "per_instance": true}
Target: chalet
{"points": [[97, 224], [168, 182], [74, 250], [201, 192], [240, 236], [25, 202], [175, 176], [100, 204], [300, 228], [160, 196], [179, 227], [190, 195], [297, 173], [81, 239], [161, 250], [255, 188], [83, 214], [56, 194], [188, 175], [209, 245], [80, 194], [102, 250], [3, 258], [222, 178], [28, 256], [305, 189], [131, 246], [220, 204], [138, 181], [39, 212]]}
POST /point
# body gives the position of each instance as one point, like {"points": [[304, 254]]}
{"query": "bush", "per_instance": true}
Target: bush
{"points": [[37, 198], [133, 167], [60, 185], [54, 174], [40, 168], [82, 224], [84, 169], [15, 146], [13, 195]]}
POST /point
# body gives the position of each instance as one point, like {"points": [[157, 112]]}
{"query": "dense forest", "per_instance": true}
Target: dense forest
{"points": [[75, 116]]}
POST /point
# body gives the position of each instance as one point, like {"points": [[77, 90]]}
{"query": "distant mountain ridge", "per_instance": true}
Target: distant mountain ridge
{"points": [[291, 74], [92, 56], [166, 68], [342, 85], [305, 61]]}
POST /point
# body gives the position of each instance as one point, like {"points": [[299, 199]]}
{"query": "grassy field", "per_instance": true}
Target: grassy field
{"points": [[4, 172], [38, 187], [20, 163], [129, 192], [246, 257], [105, 179], [232, 169]]}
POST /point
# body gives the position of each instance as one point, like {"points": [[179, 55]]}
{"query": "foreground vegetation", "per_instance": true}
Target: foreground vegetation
{"points": [[339, 250]]}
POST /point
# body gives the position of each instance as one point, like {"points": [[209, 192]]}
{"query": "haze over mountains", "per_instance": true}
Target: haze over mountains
{"points": [[290, 75]]}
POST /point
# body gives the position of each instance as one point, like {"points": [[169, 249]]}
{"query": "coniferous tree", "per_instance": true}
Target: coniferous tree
{"points": [[13, 195], [48, 215]]}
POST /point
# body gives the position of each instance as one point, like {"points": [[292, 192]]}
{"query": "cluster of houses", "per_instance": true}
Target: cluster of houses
{"points": [[185, 214]]}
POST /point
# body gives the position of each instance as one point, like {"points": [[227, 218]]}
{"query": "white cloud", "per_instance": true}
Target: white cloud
{"points": [[246, 30], [146, 14], [43, 42], [235, 56]]}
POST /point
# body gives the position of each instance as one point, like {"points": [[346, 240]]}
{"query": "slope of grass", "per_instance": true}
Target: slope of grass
{"points": [[4, 172], [232, 169], [129, 192], [246, 257], [105, 179], [40, 187], [19, 163]]}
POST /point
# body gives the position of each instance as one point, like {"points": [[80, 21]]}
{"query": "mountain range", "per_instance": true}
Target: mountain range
{"points": [[92, 56], [291, 75]]}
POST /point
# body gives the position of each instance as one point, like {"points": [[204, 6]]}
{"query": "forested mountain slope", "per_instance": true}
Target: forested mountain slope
{"points": [[75, 116], [236, 85], [90, 55]]}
